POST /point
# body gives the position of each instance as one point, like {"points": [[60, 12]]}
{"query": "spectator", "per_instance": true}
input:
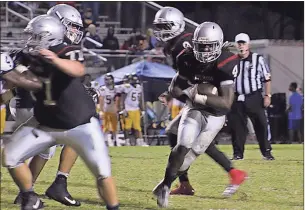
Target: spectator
{"points": [[295, 110], [300, 91], [92, 34], [88, 18], [151, 39], [94, 6], [110, 42], [134, 41]]}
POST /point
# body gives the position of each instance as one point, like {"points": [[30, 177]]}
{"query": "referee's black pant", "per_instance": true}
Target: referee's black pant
{"points": [[253, 107]]}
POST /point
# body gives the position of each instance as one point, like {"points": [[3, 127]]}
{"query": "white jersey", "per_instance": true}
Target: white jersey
{"points": [[109, 98], [132, 100]]}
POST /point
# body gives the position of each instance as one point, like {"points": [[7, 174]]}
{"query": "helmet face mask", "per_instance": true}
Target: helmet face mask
{"points": [[207, 51], [134, 80], [165, 31], [73, 31], [71, 19], [168, 24], [207, 42]]}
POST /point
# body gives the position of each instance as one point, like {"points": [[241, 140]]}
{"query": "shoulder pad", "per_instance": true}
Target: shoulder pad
{"points": [[102, 88], [227, 60]]}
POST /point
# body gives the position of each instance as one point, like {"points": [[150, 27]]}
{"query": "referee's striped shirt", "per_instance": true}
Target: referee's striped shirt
{"points": [[252, 73]]}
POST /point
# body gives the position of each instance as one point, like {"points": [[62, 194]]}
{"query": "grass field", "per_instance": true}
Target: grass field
{"points": [[272, 185]]}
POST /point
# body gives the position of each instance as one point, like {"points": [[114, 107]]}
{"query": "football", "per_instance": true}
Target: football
{"points": [[207, 89]]}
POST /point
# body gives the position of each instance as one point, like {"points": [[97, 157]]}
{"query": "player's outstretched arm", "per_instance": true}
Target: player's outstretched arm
{"points": [[70, 67], [24, 80]]}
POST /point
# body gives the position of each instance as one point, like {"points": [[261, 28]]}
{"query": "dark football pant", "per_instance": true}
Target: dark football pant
{"points": [[252, 107]]}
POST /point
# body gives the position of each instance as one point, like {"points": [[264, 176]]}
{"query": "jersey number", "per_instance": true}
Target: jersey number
{"points": [[76, 55], [48, 91], [186, 44], [108, 99], [235, 72], [134, 96]]}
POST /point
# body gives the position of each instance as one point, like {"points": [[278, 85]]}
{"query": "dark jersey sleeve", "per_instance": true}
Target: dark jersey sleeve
{"points": [[182, 42], [184, 62], [185, 41], [227, 63]]}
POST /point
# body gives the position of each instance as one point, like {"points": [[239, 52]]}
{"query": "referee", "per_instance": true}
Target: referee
{"points": [[253, 77]]}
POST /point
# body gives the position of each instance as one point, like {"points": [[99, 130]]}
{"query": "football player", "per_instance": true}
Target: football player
{"points": [[204, 115], [132, 104], [126, 79], [109, 108], [11, 76], [169, 27], [60, 116], [72, 22]]}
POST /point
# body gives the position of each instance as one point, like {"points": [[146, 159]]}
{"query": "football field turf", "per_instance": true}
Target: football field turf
{"points": [[272, 185]]}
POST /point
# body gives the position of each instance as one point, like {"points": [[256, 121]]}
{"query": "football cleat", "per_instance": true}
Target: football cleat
{"points": [[183, 189], [30, 201], [18, 199], [237, 178], [58, 192], [161, 192]]}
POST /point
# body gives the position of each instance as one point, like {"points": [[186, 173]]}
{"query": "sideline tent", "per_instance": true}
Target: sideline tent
{"points": [[143, 69], [154, 77]]}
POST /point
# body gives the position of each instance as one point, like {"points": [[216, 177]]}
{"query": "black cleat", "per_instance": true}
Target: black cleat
{"points": [[237, 157], [31, 201], [268, 156], [58, 191], [18, 199]]}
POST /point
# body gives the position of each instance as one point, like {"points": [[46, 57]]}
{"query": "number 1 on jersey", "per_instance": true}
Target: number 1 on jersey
{"points": [[48, 91]]}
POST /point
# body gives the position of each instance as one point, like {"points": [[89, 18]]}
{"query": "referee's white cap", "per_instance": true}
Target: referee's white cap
{"points": [[242, 37]]}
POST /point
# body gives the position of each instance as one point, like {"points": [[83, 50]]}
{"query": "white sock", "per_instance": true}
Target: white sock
{"points": [[62, 173]]}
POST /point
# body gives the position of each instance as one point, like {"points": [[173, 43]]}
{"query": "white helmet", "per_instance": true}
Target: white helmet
{"points": [[207, 42], [7, 63], [168, 23], [44, 31], [71, 19]]}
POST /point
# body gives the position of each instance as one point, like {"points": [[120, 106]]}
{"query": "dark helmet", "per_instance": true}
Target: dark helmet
{"points": [[109, 81], [134, 79]]}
